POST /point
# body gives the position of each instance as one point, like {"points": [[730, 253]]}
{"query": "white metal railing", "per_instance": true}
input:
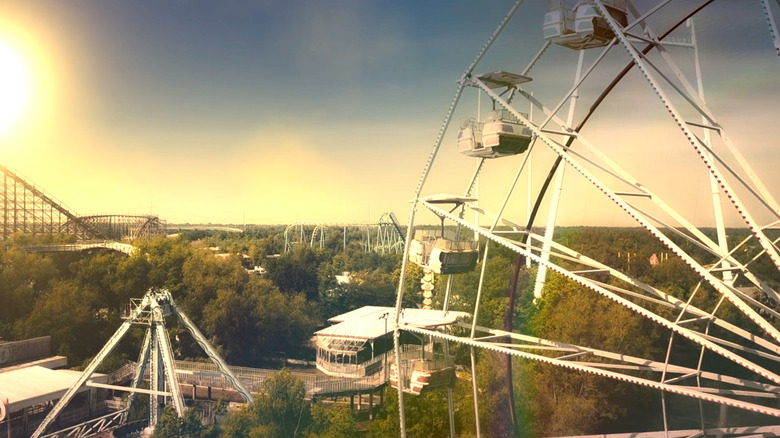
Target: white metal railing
{"points": [[373, 366], [124, 372], [502, 115], [202, 373], [373, 375], [362, 369], [345, 385], [471, 122], [116, 404]]}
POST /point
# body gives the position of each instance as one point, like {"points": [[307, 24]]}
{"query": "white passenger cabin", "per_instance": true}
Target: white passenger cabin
{"points": [[500, 135], [424, 369], [582, 27], [443, 255]]}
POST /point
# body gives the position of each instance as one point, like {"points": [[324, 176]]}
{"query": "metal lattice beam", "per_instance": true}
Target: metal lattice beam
{"points": [[28, 209], [156, 354], [124, 226], [386, 236]]}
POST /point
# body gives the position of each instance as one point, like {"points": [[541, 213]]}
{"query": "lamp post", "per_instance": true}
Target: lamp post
{"points": [[385, 316]]}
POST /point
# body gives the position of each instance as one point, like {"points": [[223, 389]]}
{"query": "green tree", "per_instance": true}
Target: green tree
{"points": [[494, 290], [74, 317], [427, 414], [296, 271], [232, 318], [188, 425], [132, 277], [203, 274], [99, 272], [166, 257], [285, 322], [333, 421], [375, 288], [278, 411], [276, 323], [570, 402], [495, 419], [24, 278]]}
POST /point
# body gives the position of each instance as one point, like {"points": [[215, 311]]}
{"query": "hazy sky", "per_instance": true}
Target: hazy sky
{"points": [[278, 111]]}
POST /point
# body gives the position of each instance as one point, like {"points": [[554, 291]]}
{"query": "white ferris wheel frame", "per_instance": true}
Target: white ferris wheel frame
{"points": [[538, 248]]}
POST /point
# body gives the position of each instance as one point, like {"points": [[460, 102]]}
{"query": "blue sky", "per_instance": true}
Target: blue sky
{"points": [[277, 111]]}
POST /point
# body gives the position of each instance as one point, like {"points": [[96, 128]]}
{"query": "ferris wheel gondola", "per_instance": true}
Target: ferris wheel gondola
{"points": [[583, 26]]}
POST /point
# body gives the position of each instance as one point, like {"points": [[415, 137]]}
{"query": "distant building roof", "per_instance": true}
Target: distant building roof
{"points": [[51, 363], [25, 387], [445, 198], [344, 278], [367, 323], [361, 312]]}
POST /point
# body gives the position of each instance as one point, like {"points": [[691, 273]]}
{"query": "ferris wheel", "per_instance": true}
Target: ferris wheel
{"points": [[657, 158]]}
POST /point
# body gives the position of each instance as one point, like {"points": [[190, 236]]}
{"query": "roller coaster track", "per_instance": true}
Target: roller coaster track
{"points": [[120, 226], [385, 236], [26, 208], [394, 221], [29, 209], [124, 248]]}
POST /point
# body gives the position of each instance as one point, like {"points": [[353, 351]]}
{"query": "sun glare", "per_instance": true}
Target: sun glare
{"points": [[14, 86]]}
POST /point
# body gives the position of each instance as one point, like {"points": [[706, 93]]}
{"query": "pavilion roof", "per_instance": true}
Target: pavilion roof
{"points": [[28, 386], [372, 322]]}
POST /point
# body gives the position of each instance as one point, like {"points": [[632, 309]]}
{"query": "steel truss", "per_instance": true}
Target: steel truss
{"points": [[156, 353], [389, 235], [92, 427], [28, 209], [770, 21], [386, 236], [755, 350], [125, 226]]}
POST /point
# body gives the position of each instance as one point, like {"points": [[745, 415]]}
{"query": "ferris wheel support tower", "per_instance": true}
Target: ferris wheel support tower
{"points": [[156, 354]]}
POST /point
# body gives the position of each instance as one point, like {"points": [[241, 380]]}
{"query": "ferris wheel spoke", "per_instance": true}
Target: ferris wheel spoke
{"points": [[637, 363], [590, 368], [679, 120], [759, 192], [770, 21], [685, 332], [651, 293], [644, 222], [615, 171]]}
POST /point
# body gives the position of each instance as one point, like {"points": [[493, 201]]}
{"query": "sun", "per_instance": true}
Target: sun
{"points": [[14, 86]]}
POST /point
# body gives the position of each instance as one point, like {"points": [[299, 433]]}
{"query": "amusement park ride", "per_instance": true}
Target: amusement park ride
{"points": [[156, 356], [663, 52]]}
